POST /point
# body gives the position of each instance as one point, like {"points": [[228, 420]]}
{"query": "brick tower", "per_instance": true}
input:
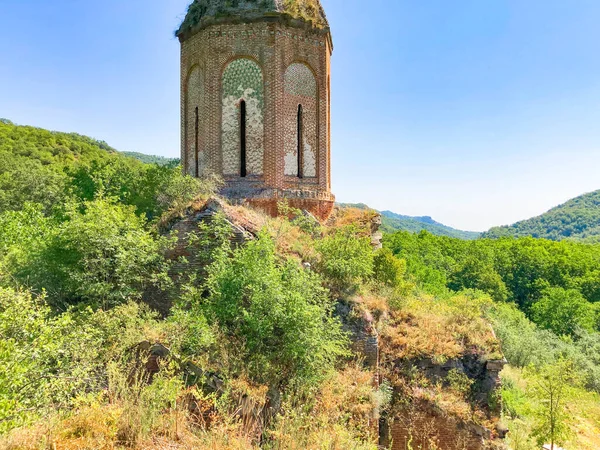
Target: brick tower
{"points": [[255, 100]]}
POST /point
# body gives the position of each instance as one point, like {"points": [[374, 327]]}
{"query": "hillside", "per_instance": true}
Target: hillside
{"points": [[51, 168], [578, 219], [139, 310], [397, 222], [152, 159]]}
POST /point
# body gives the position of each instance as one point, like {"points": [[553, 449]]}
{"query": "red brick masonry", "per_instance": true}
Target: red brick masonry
{"points": [[274, 44]]}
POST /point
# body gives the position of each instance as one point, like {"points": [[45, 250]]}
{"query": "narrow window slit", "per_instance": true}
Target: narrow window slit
{"points": [[196, 149], [243, 171], [300, 143]]}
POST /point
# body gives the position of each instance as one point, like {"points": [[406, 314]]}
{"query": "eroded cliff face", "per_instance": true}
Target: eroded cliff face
{"points": [[435, 363], [443, 362]]}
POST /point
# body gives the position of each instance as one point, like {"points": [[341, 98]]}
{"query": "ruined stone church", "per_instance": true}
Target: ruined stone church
{"points": [[255, 100]]}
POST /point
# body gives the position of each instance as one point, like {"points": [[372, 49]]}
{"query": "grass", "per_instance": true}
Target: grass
{"points": [[339, 416], [440, 329], [584, 409]]}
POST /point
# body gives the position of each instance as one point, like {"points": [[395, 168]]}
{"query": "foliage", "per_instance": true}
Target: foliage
{"points": [[51, 168], [304, 221], [440, 328], [48, 360], [524, 344], [388, 269], [346, 257], [152, 159], [275, 314], [338, 417], [517, 270], [564, 312], [459, 382], [198, 10], [101, 255], [80, 247], [552, 387]]}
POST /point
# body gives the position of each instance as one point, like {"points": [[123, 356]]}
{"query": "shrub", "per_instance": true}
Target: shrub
{"points": [[388, 269], [48, 360], [346, 257], [523, 343], [276, 315], [102, 255]]}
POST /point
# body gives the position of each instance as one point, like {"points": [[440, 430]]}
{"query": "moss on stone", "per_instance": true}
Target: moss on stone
{"points": [[307, 10]]}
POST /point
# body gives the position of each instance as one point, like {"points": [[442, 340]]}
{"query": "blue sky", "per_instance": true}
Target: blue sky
{"points": [[476, 112]]}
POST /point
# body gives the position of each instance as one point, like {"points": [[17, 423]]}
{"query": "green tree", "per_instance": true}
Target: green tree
{"points": [[563, 312], [552, 387], [476, 273], [388, 269]]}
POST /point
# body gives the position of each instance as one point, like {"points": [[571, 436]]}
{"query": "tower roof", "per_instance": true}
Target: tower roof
{"points": [[202, 13]]}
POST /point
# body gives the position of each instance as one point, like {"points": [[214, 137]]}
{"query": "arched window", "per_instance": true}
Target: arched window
{"points": [[300, 111], [243, 170], [242, 123], [300, 143], [194, 94]]}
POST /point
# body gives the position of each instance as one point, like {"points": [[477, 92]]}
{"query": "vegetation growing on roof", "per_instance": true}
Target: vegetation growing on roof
{"points": [[307, 10]]}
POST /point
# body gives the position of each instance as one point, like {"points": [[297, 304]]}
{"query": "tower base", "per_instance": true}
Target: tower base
{"points": [[319, 204]]}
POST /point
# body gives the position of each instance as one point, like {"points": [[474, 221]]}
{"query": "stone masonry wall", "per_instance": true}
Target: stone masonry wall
{"points": [[422, 427]]}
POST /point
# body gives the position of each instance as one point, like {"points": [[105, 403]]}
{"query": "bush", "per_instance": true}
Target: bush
{"points": [[346, 257], [47, 360], [276, 316], [523, 343], [102, 255], [387, 269]]}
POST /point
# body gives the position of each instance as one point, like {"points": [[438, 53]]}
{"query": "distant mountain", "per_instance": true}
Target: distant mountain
{"points": [[578, 219], [396, 222], [393, 222], [151, 159]]}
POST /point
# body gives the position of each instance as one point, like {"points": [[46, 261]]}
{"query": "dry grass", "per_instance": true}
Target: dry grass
{"points": [[362, 218], [291, 241], [587, 421], [440, 329], [374, 306], [98, 428], [342, 417], [339, 417]]}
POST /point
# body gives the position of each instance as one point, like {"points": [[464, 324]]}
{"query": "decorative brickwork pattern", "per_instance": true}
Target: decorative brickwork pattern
{"points": [[300, 87], [274, 65], [242, 81]]}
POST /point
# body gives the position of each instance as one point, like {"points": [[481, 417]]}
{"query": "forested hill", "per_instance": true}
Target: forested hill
{"points": [[396, 222], [578, 219], [53, 169], [152, 159]]}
